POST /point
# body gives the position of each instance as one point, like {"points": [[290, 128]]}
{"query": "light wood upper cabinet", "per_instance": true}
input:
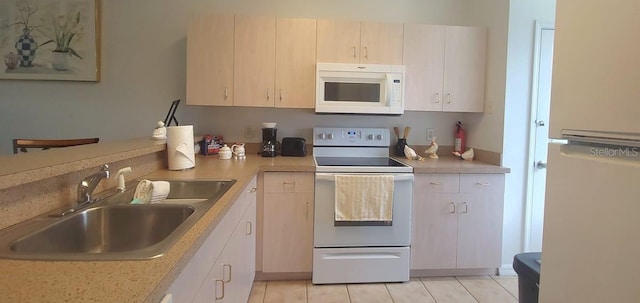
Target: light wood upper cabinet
{"points": [[295, 63], [424, 62], [341, 41], [464, 78], [210, 60], [445, 68], [338, 41], [254, 61], [381, 43]]}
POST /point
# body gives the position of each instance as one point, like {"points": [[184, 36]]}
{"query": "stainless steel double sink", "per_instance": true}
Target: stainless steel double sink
{"points": [[113, 229]]}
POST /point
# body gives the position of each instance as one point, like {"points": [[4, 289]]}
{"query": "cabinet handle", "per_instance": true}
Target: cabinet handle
{"points": [[437, 98], [226, 92], [249, 228], [482, 183], [466, 207], [453, 208], [435, 183], [252, 190], [268, 94], [284, 184], [306, 213], [281, 94], [366, 53], [448, 98], [223, 271], [354, 52], [216, 290]]}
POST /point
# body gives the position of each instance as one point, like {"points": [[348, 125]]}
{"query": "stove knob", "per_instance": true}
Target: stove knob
{"points": [[322, 136], [330, 136], [370, 137], [378, 137]]}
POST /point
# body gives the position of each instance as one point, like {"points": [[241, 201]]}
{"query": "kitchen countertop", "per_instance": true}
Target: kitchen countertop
{"points": [[452, 165], [148, 280]]}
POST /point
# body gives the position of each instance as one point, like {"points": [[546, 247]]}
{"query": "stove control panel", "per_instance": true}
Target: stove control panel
{"points": [[332, 136]]}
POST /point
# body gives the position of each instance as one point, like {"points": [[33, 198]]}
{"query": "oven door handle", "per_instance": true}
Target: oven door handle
{"points": [[332, 176]]}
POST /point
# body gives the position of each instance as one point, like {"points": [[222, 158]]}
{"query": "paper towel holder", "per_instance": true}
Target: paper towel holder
{"points": [[171, 114]]}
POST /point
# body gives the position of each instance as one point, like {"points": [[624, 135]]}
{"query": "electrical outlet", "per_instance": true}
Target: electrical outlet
{"points": [[249, 133], [430, 134]]}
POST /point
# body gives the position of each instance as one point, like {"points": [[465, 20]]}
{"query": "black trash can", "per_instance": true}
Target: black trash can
{"points": [[527, 265]]}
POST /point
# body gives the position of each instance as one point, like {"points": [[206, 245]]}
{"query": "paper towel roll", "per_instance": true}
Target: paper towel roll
{"points": [[180, 147]]}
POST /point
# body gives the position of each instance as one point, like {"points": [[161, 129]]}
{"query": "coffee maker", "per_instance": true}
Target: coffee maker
{"points": [[269, 142]]}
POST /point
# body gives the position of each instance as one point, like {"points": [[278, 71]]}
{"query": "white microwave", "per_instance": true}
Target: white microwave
{"points": [[360, 88]]}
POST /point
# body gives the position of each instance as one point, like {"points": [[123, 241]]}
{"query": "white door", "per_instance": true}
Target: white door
{"points": [[540, 133]]}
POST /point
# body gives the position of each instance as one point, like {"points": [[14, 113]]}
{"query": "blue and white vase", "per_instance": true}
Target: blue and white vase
{"points": [[26, 47]]}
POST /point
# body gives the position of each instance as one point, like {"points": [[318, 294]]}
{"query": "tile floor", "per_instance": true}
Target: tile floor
{"points": [[476, 289]]}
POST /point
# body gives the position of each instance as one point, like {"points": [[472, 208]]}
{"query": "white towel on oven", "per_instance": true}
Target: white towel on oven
{"points": [[364, 198]]}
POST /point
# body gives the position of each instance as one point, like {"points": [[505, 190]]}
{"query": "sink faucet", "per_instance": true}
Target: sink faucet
{"points": [[88, 185]]}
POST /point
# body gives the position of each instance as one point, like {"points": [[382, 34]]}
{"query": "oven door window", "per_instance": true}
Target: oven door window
{"points": [[352, 92]]}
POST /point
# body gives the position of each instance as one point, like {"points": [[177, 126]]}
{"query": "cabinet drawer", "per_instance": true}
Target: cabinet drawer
{"points": [[480, 183], [277, 182], [437, 183]]}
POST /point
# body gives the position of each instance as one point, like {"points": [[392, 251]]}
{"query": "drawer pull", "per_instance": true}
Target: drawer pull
{"points": [[482, 183], [435, 183], [216, 290], [453, 208], [249, 228], [223, 271]]}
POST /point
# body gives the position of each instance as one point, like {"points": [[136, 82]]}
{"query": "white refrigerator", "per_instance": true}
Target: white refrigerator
{"points": [[591, 237]]}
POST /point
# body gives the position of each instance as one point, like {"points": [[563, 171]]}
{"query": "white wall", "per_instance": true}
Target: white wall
{"points": [[143, 70], [522, 16]]}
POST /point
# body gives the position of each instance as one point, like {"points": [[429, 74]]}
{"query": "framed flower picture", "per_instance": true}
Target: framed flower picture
{"points": [[50, 40]]}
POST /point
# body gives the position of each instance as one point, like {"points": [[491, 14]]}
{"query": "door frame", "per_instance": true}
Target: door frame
{"points": [[535, 74]]}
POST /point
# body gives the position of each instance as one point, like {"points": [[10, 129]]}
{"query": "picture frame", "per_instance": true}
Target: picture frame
{"points": [[50, 40]]}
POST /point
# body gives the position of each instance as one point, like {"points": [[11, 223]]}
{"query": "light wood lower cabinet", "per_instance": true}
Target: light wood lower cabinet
{"points": [[287, 228], [223, 269], [457, 221]]}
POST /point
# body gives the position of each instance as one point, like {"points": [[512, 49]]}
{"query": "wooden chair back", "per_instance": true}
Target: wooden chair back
{"points": [[21, 145]]}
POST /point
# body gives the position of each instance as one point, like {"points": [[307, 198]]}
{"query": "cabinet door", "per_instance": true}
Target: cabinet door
{"points": [[464, 79], [287, 224], [480, 219], [288, 232], [381, 43], [338, 41], [435, 222], [295, 63], [210, 60], [254, 61], [424, 62]]}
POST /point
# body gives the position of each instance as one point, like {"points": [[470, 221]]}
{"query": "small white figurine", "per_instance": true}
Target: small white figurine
{"points": [[432, 150], [160, 132], [410, 154], [468, 155]]}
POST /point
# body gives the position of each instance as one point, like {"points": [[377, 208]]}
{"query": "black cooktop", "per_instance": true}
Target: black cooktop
{"points": [[358, 161]]}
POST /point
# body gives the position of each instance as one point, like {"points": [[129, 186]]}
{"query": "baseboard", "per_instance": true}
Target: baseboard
{"points": [[453, 272], [507, 270], [270, 276]]}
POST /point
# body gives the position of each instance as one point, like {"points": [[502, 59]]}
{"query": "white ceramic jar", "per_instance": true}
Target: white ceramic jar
{"points": [[224, 153]]}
